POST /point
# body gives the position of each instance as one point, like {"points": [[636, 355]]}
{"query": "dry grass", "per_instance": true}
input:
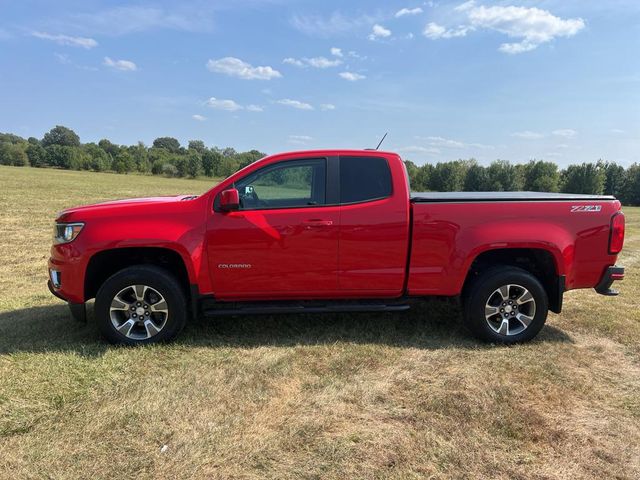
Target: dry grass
{"points": [[343, 396]]}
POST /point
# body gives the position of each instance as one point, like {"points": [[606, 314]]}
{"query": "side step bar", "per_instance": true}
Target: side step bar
{"points": [[253, 308]]}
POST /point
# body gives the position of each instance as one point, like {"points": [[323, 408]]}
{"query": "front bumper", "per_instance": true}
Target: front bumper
{"points": [[611, 274]]}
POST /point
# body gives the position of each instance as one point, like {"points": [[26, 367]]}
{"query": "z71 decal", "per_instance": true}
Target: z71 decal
{"points": [[586, 208]]}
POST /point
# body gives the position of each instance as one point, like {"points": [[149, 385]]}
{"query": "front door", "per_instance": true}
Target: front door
{"points": [[283, 241]]}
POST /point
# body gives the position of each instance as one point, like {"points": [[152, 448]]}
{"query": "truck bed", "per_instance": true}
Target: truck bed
{"points": [[448, 197]]}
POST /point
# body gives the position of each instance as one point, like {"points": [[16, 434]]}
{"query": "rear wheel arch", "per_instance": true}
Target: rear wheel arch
{"points": [[540, 262]]}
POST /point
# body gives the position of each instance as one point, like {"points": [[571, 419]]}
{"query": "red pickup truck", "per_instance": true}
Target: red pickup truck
{"points": [[332, 231]]}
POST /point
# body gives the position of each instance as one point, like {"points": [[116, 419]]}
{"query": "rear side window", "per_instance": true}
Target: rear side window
{"points": [[363, 179]]}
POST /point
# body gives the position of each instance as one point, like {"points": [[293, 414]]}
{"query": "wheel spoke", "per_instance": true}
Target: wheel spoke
{"points": [[504, 327], [504, 292], [151, 328], [525, 320], [525, 297], [490, 310], [140, 291], [126, 327], [160, 307], [117, 304]]}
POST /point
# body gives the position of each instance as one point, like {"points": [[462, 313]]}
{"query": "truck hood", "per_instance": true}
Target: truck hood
{"points": [[118, 204]]}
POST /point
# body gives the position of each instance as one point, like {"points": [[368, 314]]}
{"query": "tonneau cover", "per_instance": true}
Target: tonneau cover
{"points": [[434, 197]]}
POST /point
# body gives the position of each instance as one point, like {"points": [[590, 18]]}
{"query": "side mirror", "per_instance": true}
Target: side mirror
{"points": [[229, 200]]}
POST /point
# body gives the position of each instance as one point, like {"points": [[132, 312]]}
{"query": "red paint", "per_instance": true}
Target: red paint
{"points": [[339, 251]]}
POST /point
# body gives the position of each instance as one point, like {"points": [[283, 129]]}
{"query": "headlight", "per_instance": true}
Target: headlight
{"points": [[66, 232]]}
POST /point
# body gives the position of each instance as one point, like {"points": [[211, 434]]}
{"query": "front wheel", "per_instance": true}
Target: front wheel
{"points": [[506, 305], [139, 305]]}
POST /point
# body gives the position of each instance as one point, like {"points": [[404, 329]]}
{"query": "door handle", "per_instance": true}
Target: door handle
{"points": [[316, 222]]}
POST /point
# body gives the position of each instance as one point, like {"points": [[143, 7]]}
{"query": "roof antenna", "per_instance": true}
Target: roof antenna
{"points": [[385, 136]]}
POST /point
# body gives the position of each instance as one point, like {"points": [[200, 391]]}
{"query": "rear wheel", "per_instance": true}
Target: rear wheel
{"points": [[140, 305], [506, 305]]}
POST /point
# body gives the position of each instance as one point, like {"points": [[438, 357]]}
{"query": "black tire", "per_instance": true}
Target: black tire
{"points": [[157, 279], [483, 290]]}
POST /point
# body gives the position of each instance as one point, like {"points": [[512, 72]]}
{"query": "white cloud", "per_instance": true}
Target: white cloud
{"points": [[315, 62], [465, 6], [435, 31], [449, 143], [379, 31], [299, 139], [408, 11], [293, 61], [327, 106], [234, 67], [229, 105], [352, 77], [617, 131], [67, 40], [124, 65], [226, 105], [530, 26], [295, 104], [62, 58], [527, 135], [336, 52], [322, 62], [565, 132], [198, 117], [445, 142], [419, 149], [336, 24], [122, 20]]}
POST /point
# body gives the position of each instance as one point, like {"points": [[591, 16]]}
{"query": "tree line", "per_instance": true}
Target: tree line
{"points": [[61, 148]]}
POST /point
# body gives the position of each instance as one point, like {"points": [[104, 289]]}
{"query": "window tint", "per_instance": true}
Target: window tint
{"points": [[364, 178], [299, 183]]}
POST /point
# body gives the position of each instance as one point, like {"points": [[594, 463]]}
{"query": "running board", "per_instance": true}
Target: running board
{"points": [[271, 309]]}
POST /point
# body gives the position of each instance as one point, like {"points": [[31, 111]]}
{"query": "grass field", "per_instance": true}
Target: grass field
{"points": [[340, 397]]}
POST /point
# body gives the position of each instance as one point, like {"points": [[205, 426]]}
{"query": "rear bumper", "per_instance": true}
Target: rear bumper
{"points": [[611, 274]]}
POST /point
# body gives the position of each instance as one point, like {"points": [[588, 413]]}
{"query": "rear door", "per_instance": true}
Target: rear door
{"points": [[374, 227]]}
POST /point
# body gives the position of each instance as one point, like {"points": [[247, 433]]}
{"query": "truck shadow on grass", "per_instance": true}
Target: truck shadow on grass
{"points": [[435, 324]]}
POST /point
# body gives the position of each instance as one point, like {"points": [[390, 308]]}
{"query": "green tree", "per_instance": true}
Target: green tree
{"points": [[541, 176], [586, 178], [110, 148], [63, 157], [181, 164], [98, 159], [140, 156], [228, 166], [13, 154], [477, 179], [124, 162], [63, 136], [448, 176], [37, 155], [194, 164], [198, 146], [614, 179], [631, 190], [211, 162], [503, 176], [168, 143]]}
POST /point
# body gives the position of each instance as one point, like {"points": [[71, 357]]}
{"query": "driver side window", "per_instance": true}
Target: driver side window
{"points": [[289, 184]]}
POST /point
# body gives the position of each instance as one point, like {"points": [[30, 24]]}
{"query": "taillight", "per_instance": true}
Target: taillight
{"points": [[616, 235]]}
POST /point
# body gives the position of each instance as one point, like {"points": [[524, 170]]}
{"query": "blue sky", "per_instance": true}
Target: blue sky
{"points": [[558, 80]]}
